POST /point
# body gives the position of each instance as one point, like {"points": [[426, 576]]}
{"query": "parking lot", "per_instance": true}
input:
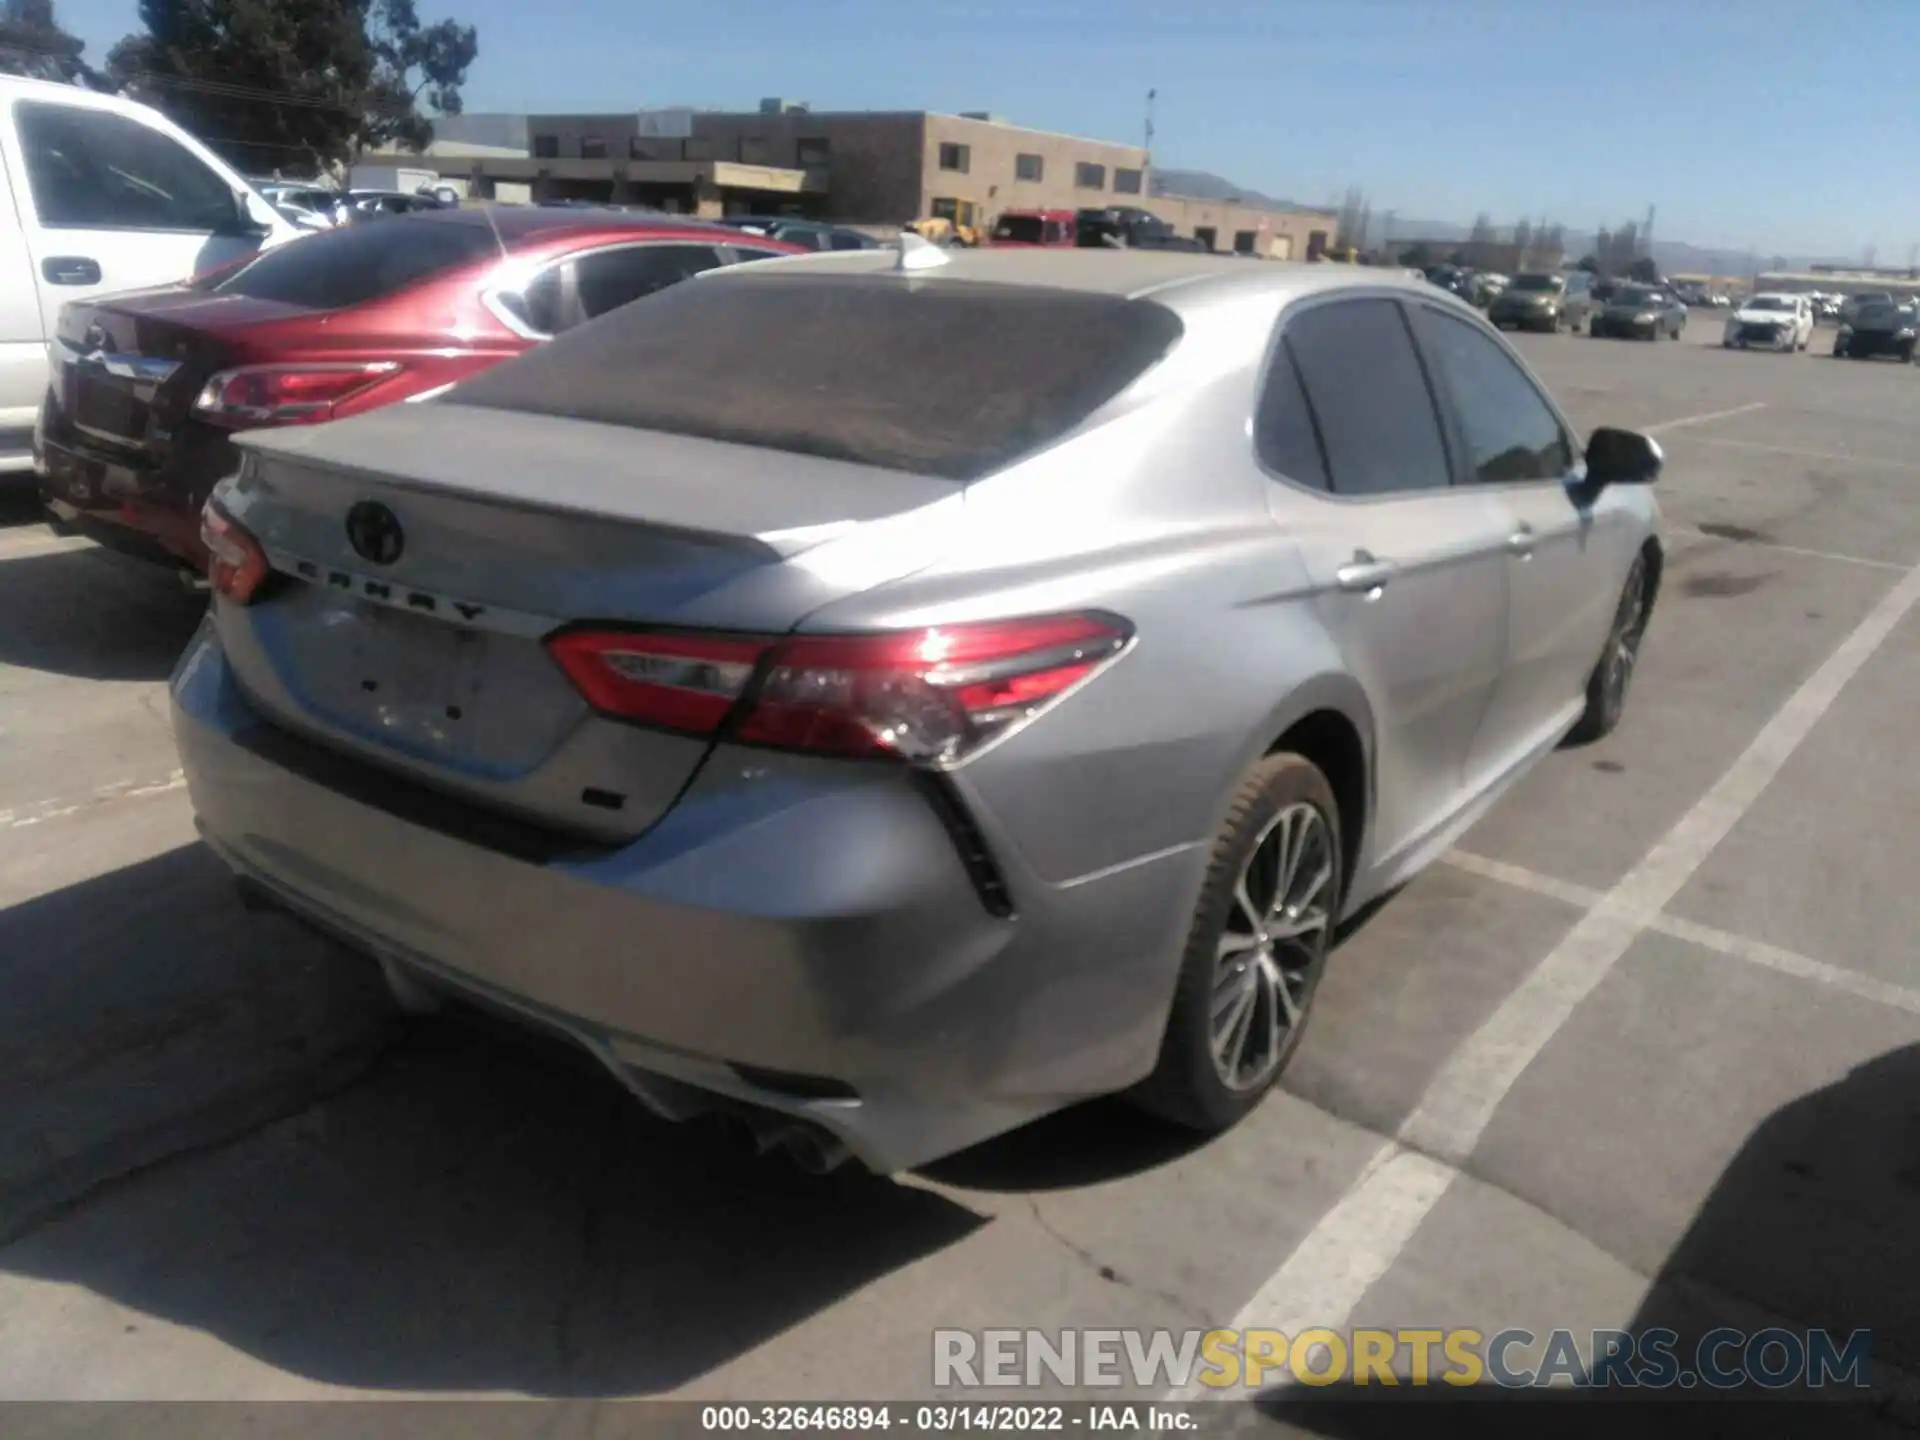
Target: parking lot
{"points": [[1644, 1050]]}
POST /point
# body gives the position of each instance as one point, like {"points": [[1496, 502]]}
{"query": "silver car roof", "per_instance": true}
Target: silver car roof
{"points": [[1130, 273]]}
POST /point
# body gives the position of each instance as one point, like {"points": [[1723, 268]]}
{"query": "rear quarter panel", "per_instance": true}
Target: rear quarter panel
{"points": [[1157, 515]]}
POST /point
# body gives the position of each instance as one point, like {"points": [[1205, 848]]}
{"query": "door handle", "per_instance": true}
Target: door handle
{"points": [[1365, 573], [70, 270], [1520, 542]]}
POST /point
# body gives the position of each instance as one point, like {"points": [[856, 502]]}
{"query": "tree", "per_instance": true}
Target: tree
{"points": [[1481, 241], [1590, 264], [32, 42], [1523, 241], [1349, 229], [275, 85], [439, 54]]}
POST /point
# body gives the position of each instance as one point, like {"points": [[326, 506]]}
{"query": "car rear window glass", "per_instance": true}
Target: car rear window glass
{"points": [[1878, 311], [356, 264], [937, 377], [1369, 393]]}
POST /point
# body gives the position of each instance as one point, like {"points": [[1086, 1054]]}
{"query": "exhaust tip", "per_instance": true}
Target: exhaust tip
{"points": [[815, 1151]]}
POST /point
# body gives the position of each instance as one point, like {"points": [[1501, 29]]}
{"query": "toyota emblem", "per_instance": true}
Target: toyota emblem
{"points": [[374, 532]]}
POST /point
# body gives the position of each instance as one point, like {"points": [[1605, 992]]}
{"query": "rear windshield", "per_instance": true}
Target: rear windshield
{"points": [[1536, 282], [356, 264], [946, 378]]}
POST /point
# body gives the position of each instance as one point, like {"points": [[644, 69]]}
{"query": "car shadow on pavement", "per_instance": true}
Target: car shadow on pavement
{"points": [[93, 614], [1814, 1225], [20, 501], [469, 1215], [1101, 1140]]}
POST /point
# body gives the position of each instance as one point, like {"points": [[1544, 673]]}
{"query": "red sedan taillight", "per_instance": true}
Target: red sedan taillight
{"points": [[932, 695], [236, 565], [286, 394]]}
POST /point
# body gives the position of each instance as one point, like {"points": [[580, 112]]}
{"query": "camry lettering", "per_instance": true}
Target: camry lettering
{"points": [[422, 600]]}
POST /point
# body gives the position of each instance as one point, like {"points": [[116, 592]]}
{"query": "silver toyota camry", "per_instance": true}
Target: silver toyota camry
{"points": [[893, 695]]}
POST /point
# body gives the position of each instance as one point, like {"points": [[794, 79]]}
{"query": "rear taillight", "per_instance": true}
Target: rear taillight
{"points": [[286, 394], [236, 565], [681, 682], [933, 695]]}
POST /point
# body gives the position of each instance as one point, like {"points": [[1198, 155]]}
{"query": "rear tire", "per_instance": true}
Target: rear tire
{"points": [[1612, 674], [1256, 950]]}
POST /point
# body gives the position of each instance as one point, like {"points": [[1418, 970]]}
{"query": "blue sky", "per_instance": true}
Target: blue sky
{"points": [[1766, 123]]}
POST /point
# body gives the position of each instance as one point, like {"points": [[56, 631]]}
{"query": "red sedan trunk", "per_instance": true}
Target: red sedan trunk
{"points": [[149, 388]]}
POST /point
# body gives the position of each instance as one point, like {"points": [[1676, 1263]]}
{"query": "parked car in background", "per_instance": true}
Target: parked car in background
{"points": [[1770, 322], [1884, 327], [99, 194], [151, 387], [807, 234], [1851, 305], [1639, 312], [1035, 228], [1541, 301], [356, 206], [309, 207], [1121, 226], [739, 705]]}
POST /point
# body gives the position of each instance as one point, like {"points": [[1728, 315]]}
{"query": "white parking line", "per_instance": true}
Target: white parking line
{"points": [[1692, 534], [1666, 425], [1837, 457], [1393, 1197], [39, 812], [35, 542], [1723, 942]]}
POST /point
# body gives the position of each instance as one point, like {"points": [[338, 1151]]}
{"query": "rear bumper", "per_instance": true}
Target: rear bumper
{"points": [[809, 919], [151, 513]]}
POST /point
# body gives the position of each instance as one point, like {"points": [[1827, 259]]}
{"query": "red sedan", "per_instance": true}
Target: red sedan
{"points": [[149, 387]]}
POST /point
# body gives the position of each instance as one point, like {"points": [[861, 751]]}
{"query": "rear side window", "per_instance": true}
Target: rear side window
{"points": [[609, 279], [947, 378], [1284, 430], [95, 170], [357, 263], [1364, 382]]}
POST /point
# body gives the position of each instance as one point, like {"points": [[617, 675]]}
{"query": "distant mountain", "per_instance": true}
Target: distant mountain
{"points": [[1674, 257], [1204, 185]]}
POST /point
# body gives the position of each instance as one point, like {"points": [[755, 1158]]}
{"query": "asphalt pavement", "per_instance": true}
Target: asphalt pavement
{"points": [[1644, 1048]]}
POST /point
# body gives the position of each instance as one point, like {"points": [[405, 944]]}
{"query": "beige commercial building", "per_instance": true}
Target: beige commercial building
{"points": [[881, 168]]}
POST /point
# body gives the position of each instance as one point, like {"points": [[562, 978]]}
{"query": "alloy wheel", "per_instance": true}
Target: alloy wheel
{"points": [[1623, 645], [1272, 948]]}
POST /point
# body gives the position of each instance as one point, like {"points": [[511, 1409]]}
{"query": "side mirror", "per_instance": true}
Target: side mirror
{"points": [[1622, 457], [251, 214]]}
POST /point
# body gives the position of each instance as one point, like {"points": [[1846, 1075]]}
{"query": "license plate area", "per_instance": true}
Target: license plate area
{"points": [[418, 682], [102, 405], [483, 703]]}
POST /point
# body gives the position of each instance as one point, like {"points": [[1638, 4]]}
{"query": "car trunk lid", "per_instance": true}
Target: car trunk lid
{"points": [[128, 368], [426, 551]]}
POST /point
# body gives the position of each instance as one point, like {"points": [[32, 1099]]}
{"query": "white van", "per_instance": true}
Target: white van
{"points": [[99, 194]]}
